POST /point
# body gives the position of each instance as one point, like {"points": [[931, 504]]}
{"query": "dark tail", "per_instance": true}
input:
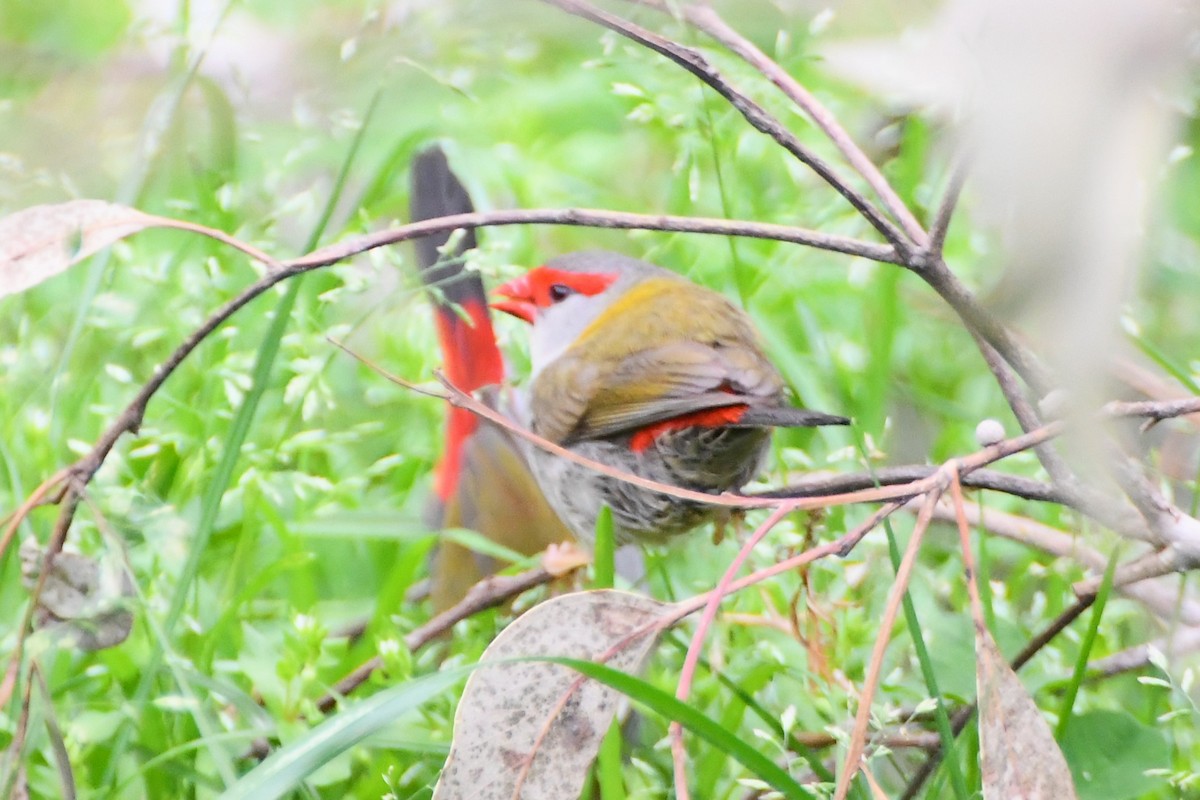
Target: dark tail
{"points": [[786, 417], [469, 353]]}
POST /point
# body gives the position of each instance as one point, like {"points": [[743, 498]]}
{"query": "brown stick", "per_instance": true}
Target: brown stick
{"points": [[488, 593], [858, 736]]}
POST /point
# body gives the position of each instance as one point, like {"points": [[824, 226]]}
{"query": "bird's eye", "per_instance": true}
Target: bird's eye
{"points": [[560, 292]]}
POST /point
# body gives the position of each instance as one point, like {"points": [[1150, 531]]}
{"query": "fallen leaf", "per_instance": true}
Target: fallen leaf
{"points": [[40, 242], [1019, 758], [82, 601], [529, 729]]}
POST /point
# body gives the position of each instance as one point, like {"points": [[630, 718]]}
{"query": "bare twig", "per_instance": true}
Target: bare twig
{"points": [[1155, 410], [1149, 383], [13, 766], [706, 19], [945, 211], [1158, 597], [979, 321], [62, 759], [758, 117], [1169, 525], [858, 736], [1180, 643], [488, 593], [62, 524], [130, 419], [930, 267], [814, 484], [963, 715], [692, 659], [1152, 565], [971, 573], [33, 501], [1023, 410], [594, 218]]}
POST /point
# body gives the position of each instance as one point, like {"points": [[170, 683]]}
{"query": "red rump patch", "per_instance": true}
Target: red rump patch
{"points": [[708, 418], [472, 361]]}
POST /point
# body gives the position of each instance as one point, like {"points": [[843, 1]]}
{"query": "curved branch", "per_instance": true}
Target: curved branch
{"points": [[706, 19], [758, 117], [597, 218]]}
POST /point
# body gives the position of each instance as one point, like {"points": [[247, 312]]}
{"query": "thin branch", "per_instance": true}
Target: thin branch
{"points": [[815, 484], [58, 538], [979, 321], [858, 736], [130, 419], [1169, 524], [595, 218], [706, 19], [692, 659], [33, 501], [966, 465], [1023, 410], [963, 716], [1152, 565], [488, 593], [1074, 492], [932, 269], [945, 210], [758, 117], [1149, 383], [1180, 643], [1158, 597], [1154, 410], [58, 746]]}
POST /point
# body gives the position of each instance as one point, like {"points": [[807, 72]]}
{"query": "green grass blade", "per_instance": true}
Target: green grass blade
{"points": [[772, 722], [209, 507], [1085, 649], [662, 703], [608, 765], [287, 767], [604, 558], [1175, 370], [222, 476], [942, 719]]}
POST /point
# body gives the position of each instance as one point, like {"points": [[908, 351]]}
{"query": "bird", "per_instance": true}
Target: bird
{"points": [[483, 481], [637, 367]]}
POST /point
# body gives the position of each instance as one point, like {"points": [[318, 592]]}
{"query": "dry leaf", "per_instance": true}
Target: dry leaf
{"points": [[532, 729], [40, 242], [1020, 759], [82, 600]]}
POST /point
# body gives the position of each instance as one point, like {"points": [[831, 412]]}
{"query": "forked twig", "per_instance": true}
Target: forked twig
{"points": [[694, 62], [706, 19]]}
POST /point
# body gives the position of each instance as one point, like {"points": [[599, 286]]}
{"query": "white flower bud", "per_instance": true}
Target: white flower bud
{"points": [[988, 432]]}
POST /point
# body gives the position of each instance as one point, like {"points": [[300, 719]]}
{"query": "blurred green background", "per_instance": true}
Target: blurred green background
{"points": [[291, 125]]}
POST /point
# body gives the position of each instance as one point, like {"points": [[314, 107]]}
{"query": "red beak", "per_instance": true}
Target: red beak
{"points": [[518, 302]]}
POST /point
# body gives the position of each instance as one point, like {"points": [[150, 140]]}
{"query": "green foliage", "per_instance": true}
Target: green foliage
{"points": [[275, 492], [1111, 753]]}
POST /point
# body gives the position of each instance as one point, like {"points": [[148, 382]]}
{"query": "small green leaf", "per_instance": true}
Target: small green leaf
{"points": [[1109, 753], [288, 766], [605, 549], [749, 755]]}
